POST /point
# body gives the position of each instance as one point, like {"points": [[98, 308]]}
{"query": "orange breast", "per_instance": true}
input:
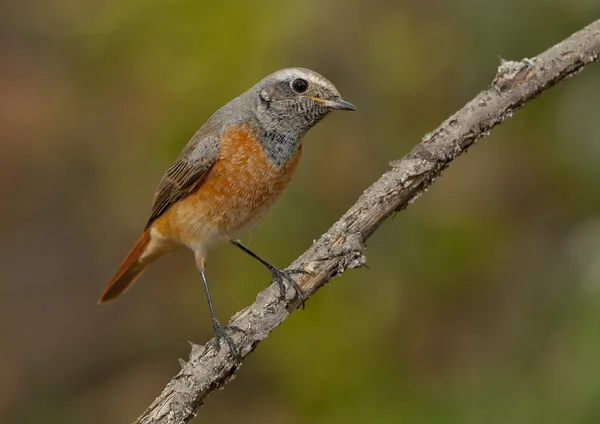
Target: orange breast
{"points": [[236, 194]]}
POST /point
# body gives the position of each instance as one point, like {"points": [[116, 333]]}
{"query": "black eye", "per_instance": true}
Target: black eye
{"points": [[300, 85]]}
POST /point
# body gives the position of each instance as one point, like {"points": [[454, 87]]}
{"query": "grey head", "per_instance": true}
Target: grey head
{"points": [[287, 104]]}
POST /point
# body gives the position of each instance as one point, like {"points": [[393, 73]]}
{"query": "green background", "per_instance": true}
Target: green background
{"points": [[482, 301]]}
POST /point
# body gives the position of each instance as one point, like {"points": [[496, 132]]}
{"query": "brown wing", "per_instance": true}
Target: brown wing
{"points": [[186, 174]]}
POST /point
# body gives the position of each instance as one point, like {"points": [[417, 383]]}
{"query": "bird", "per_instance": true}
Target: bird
{"points": [[229, 175]]}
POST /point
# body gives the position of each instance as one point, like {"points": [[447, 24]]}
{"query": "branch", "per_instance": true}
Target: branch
{"points": [[342, 247]]}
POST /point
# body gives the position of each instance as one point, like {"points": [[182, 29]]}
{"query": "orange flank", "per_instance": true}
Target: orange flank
{"points": [[235, 195]]}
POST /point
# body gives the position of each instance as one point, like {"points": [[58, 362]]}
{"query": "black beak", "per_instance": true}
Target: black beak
{"points": [[337, 104], [341, 104]]}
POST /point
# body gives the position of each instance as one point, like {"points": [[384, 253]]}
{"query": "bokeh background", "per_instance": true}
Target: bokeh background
{"points": [[482, 301]]}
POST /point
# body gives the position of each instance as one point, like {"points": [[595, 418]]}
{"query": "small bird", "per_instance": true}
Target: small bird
{"points": [[228, 176]]}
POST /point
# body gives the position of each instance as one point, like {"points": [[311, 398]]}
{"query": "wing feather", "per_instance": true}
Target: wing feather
{"points": [[186, 174]]}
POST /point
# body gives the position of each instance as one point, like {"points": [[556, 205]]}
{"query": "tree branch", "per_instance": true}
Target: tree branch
{"points": [[342, 247]]}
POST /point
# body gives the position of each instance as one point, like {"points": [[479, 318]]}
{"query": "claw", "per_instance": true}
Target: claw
{"points": [[279, 276], [221, 334]]}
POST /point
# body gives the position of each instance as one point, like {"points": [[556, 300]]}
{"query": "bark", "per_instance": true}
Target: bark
{"points": [[343, 246]]}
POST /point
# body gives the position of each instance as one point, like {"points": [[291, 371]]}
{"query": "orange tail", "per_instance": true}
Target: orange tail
{"points": [[130, 269]]}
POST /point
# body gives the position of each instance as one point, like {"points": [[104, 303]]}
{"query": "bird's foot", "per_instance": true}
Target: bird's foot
{"points": [[221, 334], [280, 277]]}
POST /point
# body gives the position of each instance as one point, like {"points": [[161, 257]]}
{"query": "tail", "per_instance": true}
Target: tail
{"points": [[130, 269]]}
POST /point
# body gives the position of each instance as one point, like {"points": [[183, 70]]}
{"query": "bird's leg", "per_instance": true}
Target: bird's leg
{"points": [[278, 275], [220, 331]]}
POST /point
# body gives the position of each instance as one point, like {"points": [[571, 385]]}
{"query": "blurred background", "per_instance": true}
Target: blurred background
{"points": [[482, 301]]}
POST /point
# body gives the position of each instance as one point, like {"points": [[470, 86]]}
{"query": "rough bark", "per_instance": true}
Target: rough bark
{"points": [[343, 246]]}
